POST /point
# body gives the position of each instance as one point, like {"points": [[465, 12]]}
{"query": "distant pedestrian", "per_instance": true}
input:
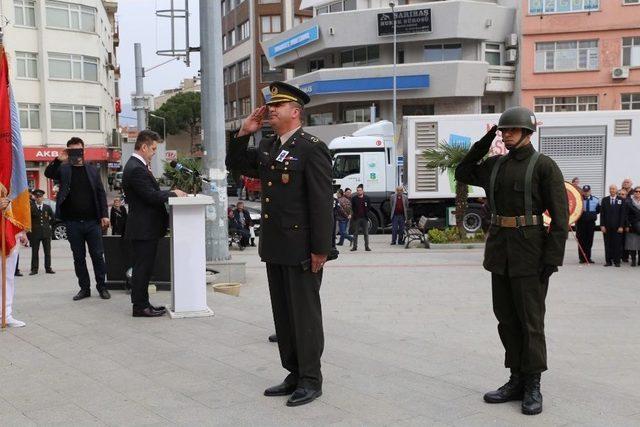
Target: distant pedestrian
{"points": [[344, 215], [118, 218], [399, 208], [576, 182], [41, 223], [624, 194], [632, 242], [360, 204], [612, 221], [585, 227], [239, 188]]}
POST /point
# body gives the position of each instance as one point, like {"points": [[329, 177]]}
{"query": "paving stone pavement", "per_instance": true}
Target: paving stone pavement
{"points": [[410, 341]]}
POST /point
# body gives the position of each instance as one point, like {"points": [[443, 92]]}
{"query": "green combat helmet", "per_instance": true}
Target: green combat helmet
{"points": [[518, 117]]}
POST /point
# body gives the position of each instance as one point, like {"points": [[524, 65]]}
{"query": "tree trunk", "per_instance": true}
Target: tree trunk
{"points": [[462, 193]]}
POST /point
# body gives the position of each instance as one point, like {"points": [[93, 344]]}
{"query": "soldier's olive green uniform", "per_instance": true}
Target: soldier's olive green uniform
{"points": [[516, 255], [296, 221]]}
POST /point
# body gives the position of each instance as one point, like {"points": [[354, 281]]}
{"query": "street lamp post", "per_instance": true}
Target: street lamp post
{"points": [[395, 61]]}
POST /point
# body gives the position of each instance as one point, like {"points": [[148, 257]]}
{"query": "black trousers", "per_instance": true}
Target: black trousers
{"points": [[144, 258], [584, 233], [89, 233], [519, 306], [35, 253], [297, 313], [361, 223], [612, 245]]}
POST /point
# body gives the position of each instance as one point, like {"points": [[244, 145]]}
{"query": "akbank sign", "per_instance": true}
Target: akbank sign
{"points": [[292, 43]]}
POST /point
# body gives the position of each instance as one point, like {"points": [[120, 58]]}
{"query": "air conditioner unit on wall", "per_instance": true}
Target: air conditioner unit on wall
{"points": [[619, 72], [511, 56], [511, 41]]}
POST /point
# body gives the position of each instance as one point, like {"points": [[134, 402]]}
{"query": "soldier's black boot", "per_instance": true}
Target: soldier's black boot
{"points": [[512, 390], [532, 400]]}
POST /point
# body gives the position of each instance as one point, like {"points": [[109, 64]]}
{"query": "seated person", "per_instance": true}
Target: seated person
{"points": [[240, 221]]}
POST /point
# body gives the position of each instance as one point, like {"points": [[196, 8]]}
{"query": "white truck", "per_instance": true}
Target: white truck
{"points": [[599, 147]]}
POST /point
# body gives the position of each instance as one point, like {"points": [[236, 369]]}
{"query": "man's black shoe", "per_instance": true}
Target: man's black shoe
{"points": [[532, 400], [367, 249], [82, 294], [303, 396], [591, 261], [273, 338], [617, 264], [354, 249], [33, 273], [339, 244], [283, 389], [18, 274], [50, 271], [104, 294], [393, 243], [159, 308], [147, 312], [608, 264], [512, 390]]}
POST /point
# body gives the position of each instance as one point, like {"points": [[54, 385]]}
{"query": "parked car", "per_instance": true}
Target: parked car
{"points": [[58, 228]]}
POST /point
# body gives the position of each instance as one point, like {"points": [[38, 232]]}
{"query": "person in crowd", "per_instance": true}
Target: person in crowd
{"points": [[632, 241], [242, 223], [576, 182], [82, 205], [295, 231], [240, 187], [612, 221], [627, 186], [360, 204], [42, 218], [586, 224], [11, 261], [147, 221], [399, 210], [118, 217], [344, 215], [623, 193]]}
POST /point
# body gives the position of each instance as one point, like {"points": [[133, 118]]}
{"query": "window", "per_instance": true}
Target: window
{"points": [[567, 56], [72, 16], [359, 114], [631, 51], [487, 109], [316, 64], [225, 43], [245, 104], [268, 1], [492, 54], [73, 67], [25, 12], [232, 38], [245, 67], [29, 116], [443, 52], [559, 6], [233, 73], [631, 101], [360, 56], [337, 6], [566, 103], [27, 63], [244, 31], [418, 110], [269, 74], [224, 7], [346, 165], [75, 117], [320, 119], [234, 109], [631, 2], [270, 25], [400, 58]]}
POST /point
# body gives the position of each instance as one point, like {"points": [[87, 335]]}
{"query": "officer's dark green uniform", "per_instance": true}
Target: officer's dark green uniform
{"points": [[520, 252], [41, 222], [296, 221]]}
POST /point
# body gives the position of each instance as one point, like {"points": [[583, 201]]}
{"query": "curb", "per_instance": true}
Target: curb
{"points": [[439, 246]]}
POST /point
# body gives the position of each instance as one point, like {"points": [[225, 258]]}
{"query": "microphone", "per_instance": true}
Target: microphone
{"points": [[180, 167]]}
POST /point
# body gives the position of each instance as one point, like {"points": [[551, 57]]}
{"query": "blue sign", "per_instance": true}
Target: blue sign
{"points": [[459, 141], [400, 161], [292, 43], [366, 84]]}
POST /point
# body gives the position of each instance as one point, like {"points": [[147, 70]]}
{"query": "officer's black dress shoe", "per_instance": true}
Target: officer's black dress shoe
{"points": [[147, 312], [33, 273], [283, 389], [18, 274], [591, 261], [532, 400], [367, 249], [159, 308], [273, 338], [303, 396], [104, 294], [50, 271], [608, 264], [512, 390], [82, 294], [354, 249], [582, 261]]}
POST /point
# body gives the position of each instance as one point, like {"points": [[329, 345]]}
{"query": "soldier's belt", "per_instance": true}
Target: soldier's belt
{"points": [[516, 221]]}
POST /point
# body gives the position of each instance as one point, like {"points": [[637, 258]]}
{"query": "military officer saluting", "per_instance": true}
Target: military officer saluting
{"points": [[295, 231], [41, 222], [520, 252]]}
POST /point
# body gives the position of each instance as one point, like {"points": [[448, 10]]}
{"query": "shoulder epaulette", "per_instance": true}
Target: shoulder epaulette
{"points": [[308, 137]]}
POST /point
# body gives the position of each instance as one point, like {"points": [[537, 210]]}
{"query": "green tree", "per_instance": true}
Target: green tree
{"points": [[447, 157], [186, 182], [182, 114]]}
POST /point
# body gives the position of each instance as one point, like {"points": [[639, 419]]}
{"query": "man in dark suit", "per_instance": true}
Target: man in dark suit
{"points": [[41, 220], [295, 232], [148, 219], [586, 224], [82, 204], [242, 223], [360, 205], [612, 220]]}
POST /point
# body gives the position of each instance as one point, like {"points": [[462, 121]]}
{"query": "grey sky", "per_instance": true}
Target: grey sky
{"points": [[139, 24]]}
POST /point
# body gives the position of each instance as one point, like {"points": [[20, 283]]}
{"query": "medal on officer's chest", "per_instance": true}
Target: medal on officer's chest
{"points": [[285, 178]]}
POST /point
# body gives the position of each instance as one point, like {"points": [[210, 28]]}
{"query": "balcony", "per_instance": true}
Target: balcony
{"points": [[500, 78]]}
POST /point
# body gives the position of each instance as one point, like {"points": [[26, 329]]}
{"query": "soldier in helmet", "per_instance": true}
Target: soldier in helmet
{"points": [[520, 252]]}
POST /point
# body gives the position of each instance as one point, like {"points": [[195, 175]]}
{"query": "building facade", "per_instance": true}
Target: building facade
{"points": [[452, 57], [65, 75]]}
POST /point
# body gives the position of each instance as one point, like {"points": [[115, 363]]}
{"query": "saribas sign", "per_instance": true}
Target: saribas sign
{"points": [[407, 22]]}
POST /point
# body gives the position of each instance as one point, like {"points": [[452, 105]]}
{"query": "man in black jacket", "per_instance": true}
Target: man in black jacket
{"points": [[148, 219], [118, 218], [612, 221], [82, 204], [295, 232], [42, 217], [360, 204], [242, 223]]}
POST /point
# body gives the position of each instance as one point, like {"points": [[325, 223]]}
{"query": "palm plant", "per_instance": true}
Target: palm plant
{"points": [[447, 157]]}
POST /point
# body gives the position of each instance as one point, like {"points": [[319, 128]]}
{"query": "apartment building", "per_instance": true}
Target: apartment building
{"points": [[580, 55], [452, 57], [247, 23], [65, 75]]}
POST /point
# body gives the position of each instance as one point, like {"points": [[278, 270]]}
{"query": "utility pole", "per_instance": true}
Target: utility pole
{"points": [[139, 101], [213, 129]]}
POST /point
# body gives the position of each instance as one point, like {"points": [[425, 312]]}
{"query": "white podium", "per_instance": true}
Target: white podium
{"points": [[188, 257]]}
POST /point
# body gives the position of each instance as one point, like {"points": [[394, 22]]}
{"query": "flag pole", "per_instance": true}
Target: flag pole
{"points": [[4, 264]]}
